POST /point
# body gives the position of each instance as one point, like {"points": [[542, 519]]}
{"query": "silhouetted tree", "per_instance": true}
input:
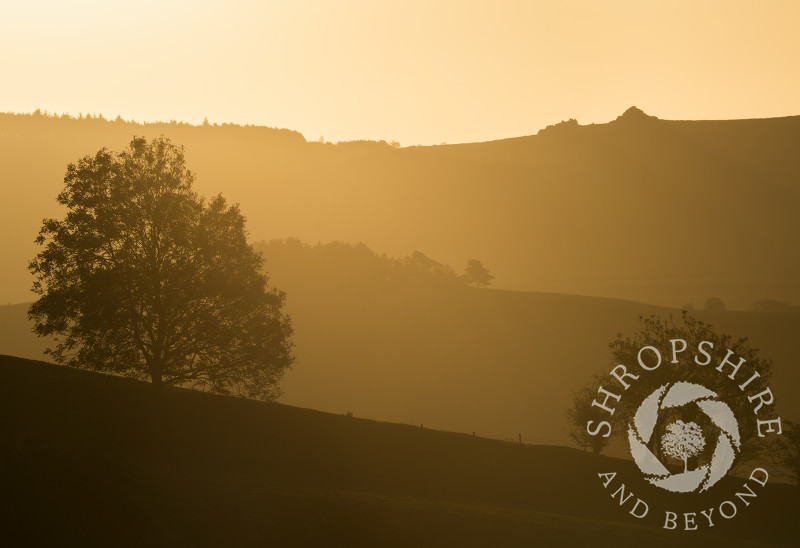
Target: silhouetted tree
{"points": [[714, 304], [657, 332], [419, 268], [476, 274], [579, 414], [786, 451], [144, 278]]}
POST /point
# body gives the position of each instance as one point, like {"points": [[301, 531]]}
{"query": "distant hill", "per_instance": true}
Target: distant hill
{"points": [[95, 460], [402, 341], [650, 210]]}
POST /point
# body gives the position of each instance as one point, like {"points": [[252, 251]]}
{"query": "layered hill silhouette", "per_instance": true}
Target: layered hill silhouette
{"points": [[650, 210], [95, 460], [406, 341]]}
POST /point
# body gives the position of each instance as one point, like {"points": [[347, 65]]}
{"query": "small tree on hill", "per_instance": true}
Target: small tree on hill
{"points": [[786, 451], [581, 412], [682, 441], [476, 274], [144, 278]]}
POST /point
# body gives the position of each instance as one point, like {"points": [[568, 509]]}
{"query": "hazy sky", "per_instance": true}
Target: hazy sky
{"points": [[418, 72]]}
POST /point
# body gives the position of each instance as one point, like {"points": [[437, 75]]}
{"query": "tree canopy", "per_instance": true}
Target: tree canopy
{"points": [[142, 277], [581, 412], [785, 452], [657, 332], [714, 304], [476, 274]]}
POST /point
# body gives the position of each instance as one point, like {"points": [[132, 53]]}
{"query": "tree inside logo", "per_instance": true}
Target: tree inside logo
{"points": [[684, 440], [693, 406]]}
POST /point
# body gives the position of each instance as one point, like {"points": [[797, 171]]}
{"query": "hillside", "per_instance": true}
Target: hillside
{"points": [[639, 208], [417, 348], [95, 460]]}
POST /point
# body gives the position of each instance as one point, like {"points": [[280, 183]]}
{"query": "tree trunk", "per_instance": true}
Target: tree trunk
{"points": [[156, 379]]}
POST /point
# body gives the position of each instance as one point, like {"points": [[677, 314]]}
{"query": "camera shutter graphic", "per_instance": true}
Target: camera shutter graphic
{"points": [[677, 395]]}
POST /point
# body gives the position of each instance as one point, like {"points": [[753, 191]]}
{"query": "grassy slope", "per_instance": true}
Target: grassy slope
{"points": [[498, 363], [89, 459]]}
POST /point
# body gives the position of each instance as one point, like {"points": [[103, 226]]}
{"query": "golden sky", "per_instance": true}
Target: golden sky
{"points": [[417, 72]]}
